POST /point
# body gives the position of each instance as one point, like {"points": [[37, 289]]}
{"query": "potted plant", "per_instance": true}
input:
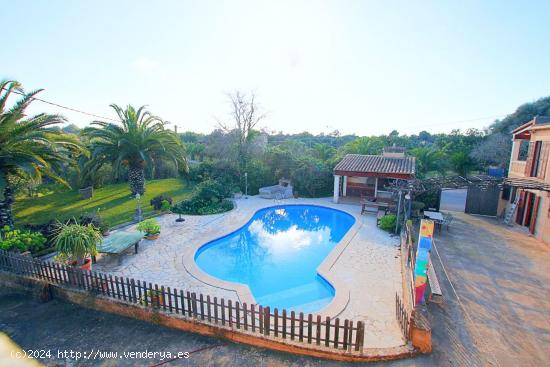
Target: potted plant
{"points": [[154, 297], [151, 228], [76, 243]]}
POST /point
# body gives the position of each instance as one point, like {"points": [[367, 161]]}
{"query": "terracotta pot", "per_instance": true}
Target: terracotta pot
{"points": [[156, 298], [87, 264], [152, 236]]}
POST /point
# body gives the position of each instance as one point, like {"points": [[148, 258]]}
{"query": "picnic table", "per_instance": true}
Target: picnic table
{"points": [[378, 204], [119, 242], [437, 216]]}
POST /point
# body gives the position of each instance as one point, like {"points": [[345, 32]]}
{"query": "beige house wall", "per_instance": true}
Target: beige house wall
{"points": [[542, 226]]}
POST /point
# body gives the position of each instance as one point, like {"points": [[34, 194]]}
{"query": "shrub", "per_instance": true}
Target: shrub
{"points": [[207, 198], [149, 226], [312, 178], [429, 198], [157, 201], [387, 222], [417, 205], [47, 229], [18, 240], [92, 218], [216, 208], [165, 205]]}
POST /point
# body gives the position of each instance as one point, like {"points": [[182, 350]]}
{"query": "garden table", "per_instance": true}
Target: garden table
{"points": [[118, 242]]}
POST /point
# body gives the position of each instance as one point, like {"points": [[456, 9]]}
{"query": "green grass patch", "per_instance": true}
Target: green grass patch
{"points": [[114, 201]]}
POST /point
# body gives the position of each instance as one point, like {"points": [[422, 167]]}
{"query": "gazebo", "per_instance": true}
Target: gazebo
{"points": [[367, 176]]}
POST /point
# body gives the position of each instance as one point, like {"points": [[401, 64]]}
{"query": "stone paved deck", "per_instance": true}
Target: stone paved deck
{"points": [[369, 265]]}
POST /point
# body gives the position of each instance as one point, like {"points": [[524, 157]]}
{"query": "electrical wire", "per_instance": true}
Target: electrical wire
{"points": [[64, 107], [115, 120]]}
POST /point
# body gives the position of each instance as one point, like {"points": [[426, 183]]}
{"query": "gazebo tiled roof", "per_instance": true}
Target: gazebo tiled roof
{"points": [[375, 164]]}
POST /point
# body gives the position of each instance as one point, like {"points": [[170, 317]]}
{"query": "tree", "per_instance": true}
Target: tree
{"points": [[461, 163], [245, 116], [364, 145], [323, 152], [494, 150], [524, 113], [428, 160], [29, 148], [140, 140]]}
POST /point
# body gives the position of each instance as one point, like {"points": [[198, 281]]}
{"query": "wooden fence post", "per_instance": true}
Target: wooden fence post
{"points": [[267, 324], [336, 332], [253, 317], [261, 319], [284, 323], [327, 331], [345, 341], [201, 298], [318, 331], [216, 310], [238, 314], [230, 313], [292, 324], [208, 304], [194, 303], [245, 309], [309, 327]]}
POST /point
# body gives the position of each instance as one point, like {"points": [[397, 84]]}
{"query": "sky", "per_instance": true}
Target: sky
{"points": [[361, 67]]}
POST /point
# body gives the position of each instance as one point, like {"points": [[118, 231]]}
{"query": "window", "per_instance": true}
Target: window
{"points": [[536, 159], [523, 150]]}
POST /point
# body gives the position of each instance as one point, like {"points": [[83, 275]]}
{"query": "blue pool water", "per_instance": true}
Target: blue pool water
{"points": [[277, 253]]}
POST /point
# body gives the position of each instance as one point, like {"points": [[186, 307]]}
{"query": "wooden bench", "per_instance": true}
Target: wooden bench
{"points": [[436, 295], [374, 204]]}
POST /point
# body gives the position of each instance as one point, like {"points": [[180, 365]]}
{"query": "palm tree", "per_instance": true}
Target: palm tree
{"points": [[29, 148], [140, 140]]}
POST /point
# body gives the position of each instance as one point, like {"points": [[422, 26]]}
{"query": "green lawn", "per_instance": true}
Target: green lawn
{"points": [[114, 201]]}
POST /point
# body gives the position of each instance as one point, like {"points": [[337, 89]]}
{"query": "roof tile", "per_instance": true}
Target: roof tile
{"points": [[376, 164]]}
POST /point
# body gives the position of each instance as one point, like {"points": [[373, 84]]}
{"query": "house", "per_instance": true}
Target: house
{"points": [[529, 177], [360, 175]]}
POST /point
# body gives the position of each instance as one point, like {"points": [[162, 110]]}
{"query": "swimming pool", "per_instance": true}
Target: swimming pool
{"points": [[277, 252]]}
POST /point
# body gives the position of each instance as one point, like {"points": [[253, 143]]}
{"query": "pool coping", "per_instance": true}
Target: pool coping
{"points": [[244, 295]]}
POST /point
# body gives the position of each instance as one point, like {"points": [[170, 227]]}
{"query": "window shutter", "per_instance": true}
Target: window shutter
{"points": [[545, 150], [529, 163]]}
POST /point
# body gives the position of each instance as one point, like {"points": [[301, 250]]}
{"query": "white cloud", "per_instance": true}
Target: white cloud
{"points": [[285, 242]]}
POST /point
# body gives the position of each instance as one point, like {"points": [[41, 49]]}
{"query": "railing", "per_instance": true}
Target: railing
{"points": [[404, 305], [517, 168], [408, 260], [403, 317], [311, 330]]}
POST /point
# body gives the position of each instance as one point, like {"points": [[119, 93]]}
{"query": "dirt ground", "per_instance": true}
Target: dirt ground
{"points": [[501, 284]]}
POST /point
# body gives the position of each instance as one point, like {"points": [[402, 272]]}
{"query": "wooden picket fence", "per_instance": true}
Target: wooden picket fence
{"points": [[309, 329], [402, 317]]}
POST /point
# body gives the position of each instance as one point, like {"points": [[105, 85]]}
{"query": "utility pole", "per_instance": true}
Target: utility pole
{"points": [[246, 185], [138, 215], [398, 212]]}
